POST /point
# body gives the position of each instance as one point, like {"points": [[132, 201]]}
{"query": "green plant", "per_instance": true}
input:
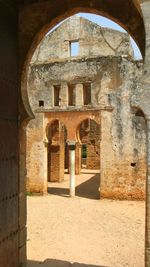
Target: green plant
{"points": [[84, 151]]}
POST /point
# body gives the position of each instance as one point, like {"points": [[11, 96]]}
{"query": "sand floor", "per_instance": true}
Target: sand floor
{"points": [[84, 231]]}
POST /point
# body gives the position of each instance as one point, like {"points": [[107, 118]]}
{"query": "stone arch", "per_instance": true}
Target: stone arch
{"points": [[56, 133], [131, 16], [51, 124], [96, 120], [89, 138]]}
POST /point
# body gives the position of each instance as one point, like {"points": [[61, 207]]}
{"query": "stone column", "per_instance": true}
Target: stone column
{"points": [[64, 95], [67, 157], [78, 159], [79, 95], [94, 90], [51, 96], [46, 144], [142, 100], [72, 145], [147, 231]]}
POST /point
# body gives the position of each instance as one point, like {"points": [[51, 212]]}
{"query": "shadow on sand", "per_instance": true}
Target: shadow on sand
{"points": [[88, 189], [58, 263]]}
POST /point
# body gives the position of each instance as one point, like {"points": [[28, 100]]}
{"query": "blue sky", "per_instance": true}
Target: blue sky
{"points": [[104, 22]]}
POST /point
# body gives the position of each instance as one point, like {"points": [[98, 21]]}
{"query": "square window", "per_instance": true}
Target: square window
{"points": [[41, 103], [74, 48]]}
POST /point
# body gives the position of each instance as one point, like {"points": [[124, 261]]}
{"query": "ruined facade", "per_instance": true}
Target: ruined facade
{"points": [[68, 91]]}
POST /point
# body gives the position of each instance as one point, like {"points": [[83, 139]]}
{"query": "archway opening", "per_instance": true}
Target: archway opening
{"points": [[90, 159], [96, 85], [89, 133]]}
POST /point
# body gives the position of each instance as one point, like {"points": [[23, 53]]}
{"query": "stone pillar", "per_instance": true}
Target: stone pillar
{"points": [[147, 231], [35, 155], [64, 95], [46, 145], [67, 157], [94, 91], [56, 163], [79, 95], [93, 156], [56, 155], [78, 159], [145, 6], [142, 100], [51, 96], [72, 145]]}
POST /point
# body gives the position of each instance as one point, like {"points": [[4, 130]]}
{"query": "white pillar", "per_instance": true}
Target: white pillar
{"points": [[72, 167]]}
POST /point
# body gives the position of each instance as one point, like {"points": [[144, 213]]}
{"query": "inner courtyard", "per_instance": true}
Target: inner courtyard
{"points": [[84, 231]]}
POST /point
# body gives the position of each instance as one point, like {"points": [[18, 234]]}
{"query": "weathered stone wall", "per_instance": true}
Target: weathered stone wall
{"points": [[56, 152], [56, 163], [35, 156], [113, 81], [90, 136], [93, 41], [12, 220], [93, 147], [102, 73]]}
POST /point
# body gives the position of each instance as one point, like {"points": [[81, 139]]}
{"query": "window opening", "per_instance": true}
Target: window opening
{"points": [[71, 95], [56, 95], [133, 164], [87, 94], [74, 48], [41, 103]]}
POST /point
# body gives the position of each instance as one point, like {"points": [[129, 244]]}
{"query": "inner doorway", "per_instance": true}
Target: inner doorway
{"points": [[89, 136]]}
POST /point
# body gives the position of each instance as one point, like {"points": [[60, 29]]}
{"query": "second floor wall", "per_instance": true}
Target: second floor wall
{"points": [[79, 37], [79, 83]]}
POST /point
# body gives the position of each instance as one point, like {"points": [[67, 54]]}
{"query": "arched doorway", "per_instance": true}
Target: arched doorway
{"points": [[89, 133], [80, 86]]}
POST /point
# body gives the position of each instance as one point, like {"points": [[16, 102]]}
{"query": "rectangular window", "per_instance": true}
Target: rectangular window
{"points": [[87, 94], [56, 95], [41, 103], [74, 48], [71, 95]]}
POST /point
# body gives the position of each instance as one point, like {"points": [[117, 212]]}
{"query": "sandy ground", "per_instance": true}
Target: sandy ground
{"points": [[84, 231]]}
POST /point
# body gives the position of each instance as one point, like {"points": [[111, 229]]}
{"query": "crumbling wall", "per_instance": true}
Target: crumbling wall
{"points": [[113, 82], [123, 145], [93, 41], [106, 66], [35, 156], [90, 136]]}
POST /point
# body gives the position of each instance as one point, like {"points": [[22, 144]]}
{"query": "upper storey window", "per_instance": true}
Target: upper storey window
{"points": [[41, 103], [87, 94], [71, 95], [57, 95], [74, 48]]}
